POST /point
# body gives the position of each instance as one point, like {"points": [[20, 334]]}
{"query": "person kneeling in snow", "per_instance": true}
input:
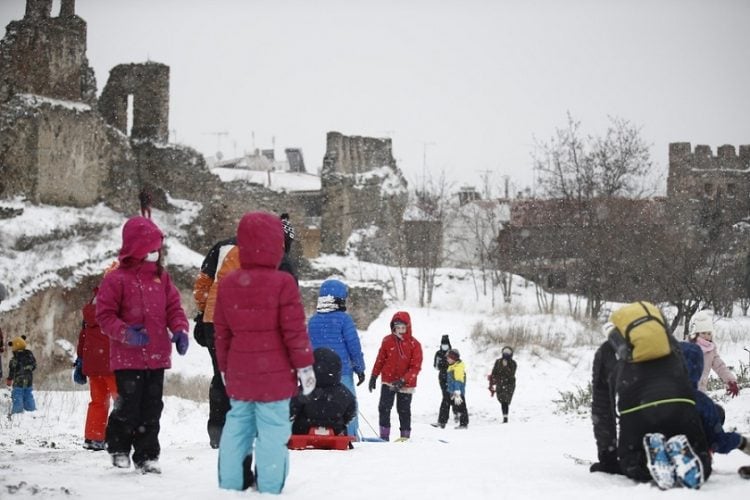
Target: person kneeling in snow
{"points": [[660, 432], [330, 405], [712, 415]]}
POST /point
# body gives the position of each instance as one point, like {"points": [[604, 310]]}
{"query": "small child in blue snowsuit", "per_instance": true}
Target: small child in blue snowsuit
{"points": [[712, 415], [21, 376]]}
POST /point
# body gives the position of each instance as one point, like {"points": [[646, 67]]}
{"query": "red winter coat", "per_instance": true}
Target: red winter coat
{"points": [[399, 358], [259, 322], [135, 293], [93, 345]]}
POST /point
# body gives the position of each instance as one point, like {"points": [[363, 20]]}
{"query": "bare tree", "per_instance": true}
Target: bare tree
{"points": [[586, 172]]}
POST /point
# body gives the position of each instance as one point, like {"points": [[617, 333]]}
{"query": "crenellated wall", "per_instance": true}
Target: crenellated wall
{"points": [[700, 182]]}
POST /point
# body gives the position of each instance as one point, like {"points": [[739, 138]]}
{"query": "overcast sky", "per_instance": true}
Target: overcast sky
{"points": [[460, 86]]}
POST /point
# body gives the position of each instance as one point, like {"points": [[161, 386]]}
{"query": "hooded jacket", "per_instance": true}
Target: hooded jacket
{"points": [[336, 330], [330, 404], [259, 321], [137, 293], [399, 358], [718, 440], [93, 345], [503, 377]]}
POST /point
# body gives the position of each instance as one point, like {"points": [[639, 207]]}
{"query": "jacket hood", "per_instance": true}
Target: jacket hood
{"points": [[327, 367], [403, 317], [260, 240], [334, 288], [693, 361], [140, 236]]}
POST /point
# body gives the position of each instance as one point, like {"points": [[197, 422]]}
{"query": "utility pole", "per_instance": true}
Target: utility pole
{"points": [[424, 160], [218, 140]]}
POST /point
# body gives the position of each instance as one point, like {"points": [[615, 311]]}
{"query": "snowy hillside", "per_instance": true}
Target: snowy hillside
{"points": [[41, 454]]}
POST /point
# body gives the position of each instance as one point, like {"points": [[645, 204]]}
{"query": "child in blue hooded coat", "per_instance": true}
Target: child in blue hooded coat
{"points": [[333, 327], [712, 415]]}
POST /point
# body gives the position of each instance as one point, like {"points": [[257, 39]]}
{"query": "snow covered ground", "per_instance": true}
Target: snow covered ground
{"points": [[41, 454]]}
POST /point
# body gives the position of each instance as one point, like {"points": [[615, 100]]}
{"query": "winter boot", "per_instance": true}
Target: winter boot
{"points": [[688, 467], [405, 434], [505, 418], [385, 433], [214, 435], [248, 478], [439, 425], [121, 460], [462, 426], [659, 464], [149, 467], [90, 444]]}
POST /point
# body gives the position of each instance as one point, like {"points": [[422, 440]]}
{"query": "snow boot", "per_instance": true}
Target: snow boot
{"points": [[688, 467], [214, 436], [121, 460], [660, 466], [505, 418], [248, 478], [462, 426], [405, 434], [385, 433], [90, 444], [439, 425], [149, 467]]}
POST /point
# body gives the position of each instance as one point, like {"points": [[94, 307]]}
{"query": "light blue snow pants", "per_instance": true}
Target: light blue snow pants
{"points": [[267, 426], [23, 399], [353, 428]]}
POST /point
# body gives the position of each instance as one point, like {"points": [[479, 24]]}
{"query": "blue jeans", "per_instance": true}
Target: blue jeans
{"points": [[23, 399], [353, 428], [267, 426]]}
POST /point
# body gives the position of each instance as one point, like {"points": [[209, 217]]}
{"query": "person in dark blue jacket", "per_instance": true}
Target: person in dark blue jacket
{"points": [[333, 327], [712, 415]]}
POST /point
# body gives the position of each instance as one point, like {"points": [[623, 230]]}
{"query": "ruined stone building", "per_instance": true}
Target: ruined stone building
{"points": [[544, 238]]}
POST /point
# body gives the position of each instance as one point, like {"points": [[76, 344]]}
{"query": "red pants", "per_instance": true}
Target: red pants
{"points": [[102, 387]]}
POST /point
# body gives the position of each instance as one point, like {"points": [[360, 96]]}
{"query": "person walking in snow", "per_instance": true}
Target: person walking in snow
{"points": [[331, 326], [440, 363], [144, 198], [503, 380], [21, 376], [712, 415], [702, 333], [137, 305], [262, 347], [331, 404], [92, 366], [399, 361], [220, 261], [456, 386], [644, 418]]}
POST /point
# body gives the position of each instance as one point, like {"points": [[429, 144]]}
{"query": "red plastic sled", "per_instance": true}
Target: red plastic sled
{"points": [[319, 438]]}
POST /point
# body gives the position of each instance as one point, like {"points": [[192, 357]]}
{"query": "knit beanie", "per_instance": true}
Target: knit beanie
{"points": [[702, 321]]}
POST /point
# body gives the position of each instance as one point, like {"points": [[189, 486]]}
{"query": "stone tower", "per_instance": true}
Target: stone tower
{"points": [[148, 83], [46, 55]]}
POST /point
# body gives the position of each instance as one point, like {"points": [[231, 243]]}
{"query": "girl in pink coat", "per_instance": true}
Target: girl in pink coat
{"points": [[262, 348], [136, 307], [702, 333]]}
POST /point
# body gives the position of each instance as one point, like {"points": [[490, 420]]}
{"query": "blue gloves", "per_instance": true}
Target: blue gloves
{"points": [[136, 335], [180, 340], [78, 376]]}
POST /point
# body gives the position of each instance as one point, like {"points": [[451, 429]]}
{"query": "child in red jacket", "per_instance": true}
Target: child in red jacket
{"points": [[399, 361], [92, 365]]}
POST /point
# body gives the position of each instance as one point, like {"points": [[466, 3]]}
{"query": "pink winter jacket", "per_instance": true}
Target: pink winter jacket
{"points": [[259, 322], [712, 360], [135, 293]]}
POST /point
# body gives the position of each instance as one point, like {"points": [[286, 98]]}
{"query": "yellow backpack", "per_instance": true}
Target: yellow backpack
{"points": [[639, 333]]}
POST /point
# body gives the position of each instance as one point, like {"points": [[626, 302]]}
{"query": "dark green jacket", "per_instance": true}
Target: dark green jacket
{"points": [[21, 369]]}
